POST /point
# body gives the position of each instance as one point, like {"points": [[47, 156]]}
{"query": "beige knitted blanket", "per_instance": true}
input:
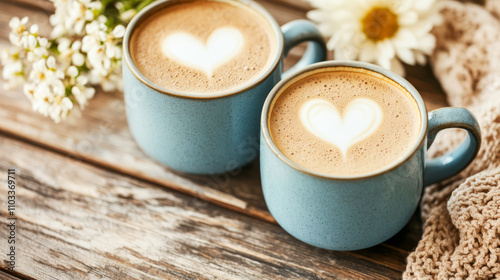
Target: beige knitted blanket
{"points": [[461, 216]]}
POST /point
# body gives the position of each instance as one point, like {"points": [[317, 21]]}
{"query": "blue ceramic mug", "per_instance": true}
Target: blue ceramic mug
{"points": [[208, 134], [356, 212]]}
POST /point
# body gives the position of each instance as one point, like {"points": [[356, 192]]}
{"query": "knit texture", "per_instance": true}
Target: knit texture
{"points": [[461, 216]]}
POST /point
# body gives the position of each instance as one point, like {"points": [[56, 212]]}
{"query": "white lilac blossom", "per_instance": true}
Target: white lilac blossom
{"points": [[17, 27], [84, 50], [103, 54], [13, 70], [384, 32], [125, 15], [71, 16], [69, 52], [80, 92]]}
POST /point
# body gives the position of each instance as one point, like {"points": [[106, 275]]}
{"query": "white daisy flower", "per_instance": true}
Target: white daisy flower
{"points": [[383, 32]]}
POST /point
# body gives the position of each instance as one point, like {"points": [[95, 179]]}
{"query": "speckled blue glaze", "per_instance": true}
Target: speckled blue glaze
{"points": [[341, 214], [350, 213], [208, 135], [196, 135]]}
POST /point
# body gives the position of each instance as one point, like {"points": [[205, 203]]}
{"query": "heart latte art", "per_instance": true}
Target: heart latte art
{"points": [[222, 45], [201, 47], [360, 119], [344, 121]]}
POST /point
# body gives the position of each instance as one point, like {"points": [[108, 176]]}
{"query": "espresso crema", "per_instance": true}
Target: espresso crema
{"points": [[344, 121], [203, 47]]}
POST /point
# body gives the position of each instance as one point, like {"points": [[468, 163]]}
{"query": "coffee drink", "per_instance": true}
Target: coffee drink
{"points": [[203, 47], [344, 121]]}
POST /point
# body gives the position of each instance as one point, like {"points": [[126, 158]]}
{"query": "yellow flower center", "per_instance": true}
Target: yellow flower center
{"points": [[380, 23], [20, 29]]}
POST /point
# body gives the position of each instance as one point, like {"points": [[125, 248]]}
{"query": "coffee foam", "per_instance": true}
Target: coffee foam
{"points": [[224, 47], [361, 118], [374, 143]]}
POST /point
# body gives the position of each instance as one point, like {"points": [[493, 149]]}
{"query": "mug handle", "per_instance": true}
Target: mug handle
{"points": [[452, 163], [298, 31]]}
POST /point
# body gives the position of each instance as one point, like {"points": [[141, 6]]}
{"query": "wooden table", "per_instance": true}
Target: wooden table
{"points": [[91, 204]]}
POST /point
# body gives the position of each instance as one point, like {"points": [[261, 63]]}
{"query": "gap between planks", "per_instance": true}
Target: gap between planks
{"points": [[89, 222], [13, 275], [47, 5], [56, 138], [219, 198], [228, 201], [242, 194]]}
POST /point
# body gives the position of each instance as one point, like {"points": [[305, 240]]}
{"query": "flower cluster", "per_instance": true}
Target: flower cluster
{"points": [[59, 73], [384, 32]]}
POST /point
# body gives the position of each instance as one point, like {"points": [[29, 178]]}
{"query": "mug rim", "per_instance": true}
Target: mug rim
{"points": [[153, 7], [351, 64]]}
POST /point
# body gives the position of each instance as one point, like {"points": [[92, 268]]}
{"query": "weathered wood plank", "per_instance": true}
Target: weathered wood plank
{"points": [[9, 9], [284, 11], [101, 136], [45, 5], [298, 4], [78, 221], [7, 276], [421, 77], [48, 6]]}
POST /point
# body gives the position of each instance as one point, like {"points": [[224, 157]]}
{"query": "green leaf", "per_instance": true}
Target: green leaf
{"points": [[143, 4], [68, 91]]}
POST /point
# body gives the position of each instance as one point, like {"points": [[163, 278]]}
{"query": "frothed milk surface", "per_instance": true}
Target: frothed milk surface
{"points": [[344, 122], [203, 47]]}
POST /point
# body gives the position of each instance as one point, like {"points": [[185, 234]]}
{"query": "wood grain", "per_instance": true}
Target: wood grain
{"points": [[298, 4], [78, 221], [102, 208], [101, 135], [7, 276]]}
